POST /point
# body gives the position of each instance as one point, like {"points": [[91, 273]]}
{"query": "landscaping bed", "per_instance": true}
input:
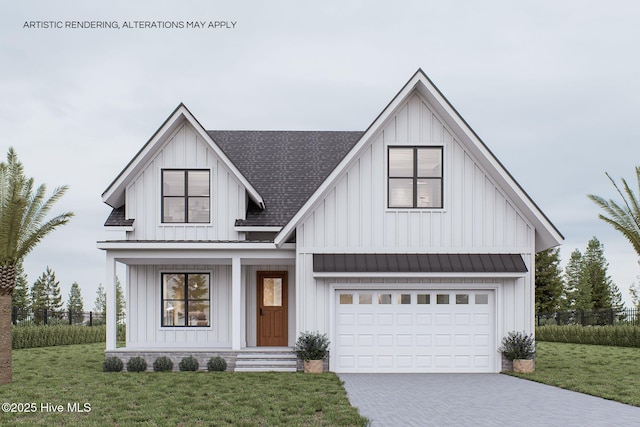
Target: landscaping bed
{"points": [[71, 377]]}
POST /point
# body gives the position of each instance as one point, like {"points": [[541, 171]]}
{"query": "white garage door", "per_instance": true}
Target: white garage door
{"points": [[415, 331]]}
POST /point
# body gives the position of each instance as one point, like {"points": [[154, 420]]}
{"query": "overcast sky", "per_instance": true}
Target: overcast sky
{"points": [[552, 87]]}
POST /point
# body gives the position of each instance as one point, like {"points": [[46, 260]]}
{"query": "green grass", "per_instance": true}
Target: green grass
{"points": [[69, 374], [604, 371]]}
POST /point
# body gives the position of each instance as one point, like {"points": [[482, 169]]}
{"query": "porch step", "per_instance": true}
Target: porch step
{"points": [[265, 362]]}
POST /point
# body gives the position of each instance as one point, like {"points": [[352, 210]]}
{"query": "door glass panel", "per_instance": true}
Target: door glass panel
{"points": [[424, 299], [272, 292], [365, 298], [482, 299], [404, 298], [462, 298], [384, 298], [401, 162], [442, 299], [346, 298]]}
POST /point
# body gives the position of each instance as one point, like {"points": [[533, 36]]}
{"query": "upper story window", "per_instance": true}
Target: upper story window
{"points": [[185, 196], [415, 177]]}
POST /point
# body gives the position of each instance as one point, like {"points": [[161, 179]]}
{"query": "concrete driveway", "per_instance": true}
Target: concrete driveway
{"points": [[477, 400]]}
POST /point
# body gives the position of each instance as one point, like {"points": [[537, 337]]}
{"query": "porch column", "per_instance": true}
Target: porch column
{"points": [[236, 303], [110, 290]]}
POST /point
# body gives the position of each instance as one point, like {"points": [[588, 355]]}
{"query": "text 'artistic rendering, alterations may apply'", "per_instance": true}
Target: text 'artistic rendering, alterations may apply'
{"points": [[127, 25]]}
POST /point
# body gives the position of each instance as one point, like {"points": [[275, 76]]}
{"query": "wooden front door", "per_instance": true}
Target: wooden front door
{"points": [[272, 308]]}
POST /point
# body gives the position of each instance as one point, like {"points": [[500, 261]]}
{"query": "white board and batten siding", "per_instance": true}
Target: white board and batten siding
{"points": [[353, 216], [185, 149], [144, 329]]}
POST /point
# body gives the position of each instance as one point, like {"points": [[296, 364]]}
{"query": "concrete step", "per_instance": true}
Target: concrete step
{"points": [[264, 369]]}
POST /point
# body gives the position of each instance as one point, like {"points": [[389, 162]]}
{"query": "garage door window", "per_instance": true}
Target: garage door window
{"points": [[365, 298], [404, 298], [442, 299], [482, 299], [384, 298], [424, 299], [462, 298], [346, 298]]}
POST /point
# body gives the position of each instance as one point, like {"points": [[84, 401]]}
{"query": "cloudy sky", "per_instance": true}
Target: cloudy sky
{"points": [[551, 87]]}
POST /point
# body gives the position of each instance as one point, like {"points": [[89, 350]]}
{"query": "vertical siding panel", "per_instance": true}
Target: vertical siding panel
{"points": [[330, 229], [389, 133], [499, 219], [467, 202], [510, 225], [489, 213], [457, 202], [437, 130], [402, 125], [319, 223], [478, 207], [354, 200], [426, 123], [402, 230], [415, 229], [379, 191], [415, 115], [342, 204], [437, 230], [366, 196]]}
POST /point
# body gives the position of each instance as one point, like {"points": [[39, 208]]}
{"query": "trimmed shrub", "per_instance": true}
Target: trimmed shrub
{"points": [[189, 364], [112, 364], [163, 363], [518, 345], [616, 335], [49, 335], [136, 364], [217, 363]]}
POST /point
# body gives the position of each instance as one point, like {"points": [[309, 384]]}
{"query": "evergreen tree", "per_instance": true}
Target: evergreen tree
{"points": [[549, 286], [120, 302], [20, 297], [100, 304], [594, 271], [576, 296], [617, 304], [45, 294], [75, 304]]}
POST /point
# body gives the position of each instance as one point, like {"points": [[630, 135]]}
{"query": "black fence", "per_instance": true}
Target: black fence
{"points": [[43, 316], [629, 316]]}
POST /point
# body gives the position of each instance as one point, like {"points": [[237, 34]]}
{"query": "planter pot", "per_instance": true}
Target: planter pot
{"points": [[313, 366], [523, 366]]}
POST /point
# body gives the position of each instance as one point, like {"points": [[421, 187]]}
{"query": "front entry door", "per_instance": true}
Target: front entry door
{"points": [[272, 308]]}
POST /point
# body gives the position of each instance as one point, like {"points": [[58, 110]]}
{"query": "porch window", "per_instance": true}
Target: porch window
{"points": [[186, 299], [415, 177], [185, 196]]}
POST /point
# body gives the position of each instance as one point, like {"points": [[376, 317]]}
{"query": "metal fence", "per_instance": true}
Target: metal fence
{"points": [[629, 316], [43, 316]]}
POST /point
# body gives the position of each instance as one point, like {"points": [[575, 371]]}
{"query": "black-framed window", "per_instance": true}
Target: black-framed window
{"points": [[415, 177], [185, 196], [186, 300]]}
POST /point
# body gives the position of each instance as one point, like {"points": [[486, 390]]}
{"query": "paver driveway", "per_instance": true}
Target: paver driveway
{"points": [[477, 400]]}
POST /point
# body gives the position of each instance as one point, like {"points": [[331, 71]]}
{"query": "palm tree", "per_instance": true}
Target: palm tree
{"points": [[23, 225], [624, 217]]}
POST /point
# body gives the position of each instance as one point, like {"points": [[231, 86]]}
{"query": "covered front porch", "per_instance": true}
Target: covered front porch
{"points": [[249, 301]]}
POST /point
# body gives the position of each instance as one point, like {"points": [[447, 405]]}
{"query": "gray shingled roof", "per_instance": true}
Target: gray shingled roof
{"points": [[117, 219], [418, 263], [285, 167]]}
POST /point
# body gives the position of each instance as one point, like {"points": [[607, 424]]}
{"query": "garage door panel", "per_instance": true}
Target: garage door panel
{"points": [[415, 331]]}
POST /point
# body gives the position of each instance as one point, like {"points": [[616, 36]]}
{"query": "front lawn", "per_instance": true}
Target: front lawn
{"points": [[604, 371], [71, 376]]}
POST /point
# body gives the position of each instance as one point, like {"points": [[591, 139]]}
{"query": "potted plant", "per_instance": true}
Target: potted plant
{"points": [[312, 348], [520, 348]]}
